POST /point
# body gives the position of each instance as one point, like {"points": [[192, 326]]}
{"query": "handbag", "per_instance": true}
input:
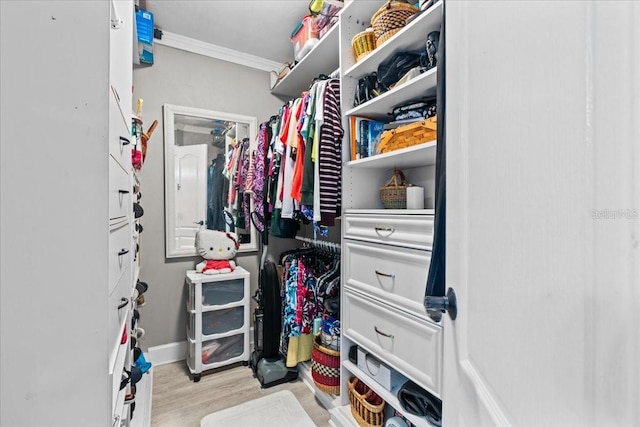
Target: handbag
{"points": [[393, 69], [415, 110], [367, 89], [417, 401]]}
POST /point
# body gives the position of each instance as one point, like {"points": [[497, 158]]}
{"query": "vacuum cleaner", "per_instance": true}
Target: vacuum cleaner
{"points": [[268, 364]]}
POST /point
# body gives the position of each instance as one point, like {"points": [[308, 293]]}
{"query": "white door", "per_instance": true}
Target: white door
{"points": [[190, 193], [543, 206]]}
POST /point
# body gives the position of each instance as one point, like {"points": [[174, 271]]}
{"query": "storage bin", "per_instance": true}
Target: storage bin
{"points": [[304, 37], [222, 349], [381, 373], [223, 292], [217, 322], [221, 321]]}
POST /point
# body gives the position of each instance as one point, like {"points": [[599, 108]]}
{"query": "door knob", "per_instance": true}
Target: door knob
{"points": [[200, 223], [437, 305]]}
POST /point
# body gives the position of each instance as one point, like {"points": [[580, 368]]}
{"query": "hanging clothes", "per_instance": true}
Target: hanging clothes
{"points": [[217, 193], [306, 276], [306, 157], [330, 155]]}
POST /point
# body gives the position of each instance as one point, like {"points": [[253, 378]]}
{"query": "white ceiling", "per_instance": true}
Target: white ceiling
{"points": [[257, 27]]}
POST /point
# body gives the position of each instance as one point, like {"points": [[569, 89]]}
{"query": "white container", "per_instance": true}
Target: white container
{"points": [[415, 197], [381, 373]]}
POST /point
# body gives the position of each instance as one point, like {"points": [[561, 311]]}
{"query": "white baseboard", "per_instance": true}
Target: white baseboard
{"points": [[168, 353], [176, 351]]}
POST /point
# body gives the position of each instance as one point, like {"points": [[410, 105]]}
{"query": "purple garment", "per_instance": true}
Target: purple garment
{"points": [[257, 185]]}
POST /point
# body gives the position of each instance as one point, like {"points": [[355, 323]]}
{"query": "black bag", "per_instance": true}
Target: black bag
{"points": [[366, 90], [394, 68], [415, 110], [417, 401]]}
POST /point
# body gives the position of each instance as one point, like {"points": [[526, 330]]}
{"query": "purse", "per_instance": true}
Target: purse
{"points": [[367, 89], [417, 401]]}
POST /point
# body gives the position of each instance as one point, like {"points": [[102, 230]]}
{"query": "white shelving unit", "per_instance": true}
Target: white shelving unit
{"points": [[386, 253], [218, 308]]}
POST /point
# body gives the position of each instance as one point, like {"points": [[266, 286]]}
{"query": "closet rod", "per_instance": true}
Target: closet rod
{"points": [[320, 244]]}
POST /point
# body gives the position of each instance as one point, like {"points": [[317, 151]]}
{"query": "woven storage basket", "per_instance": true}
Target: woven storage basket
{"points": [[325, 367], [366, 406], [363, 43], [390, 19], [394, 194], [408, 135]]}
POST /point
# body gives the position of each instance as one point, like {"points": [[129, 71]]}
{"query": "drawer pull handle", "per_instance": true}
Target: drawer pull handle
{"points": [[124, 141], [392, 275], [382, 333], [123, 303], [389, 230], [123, 191], [123, 252]]}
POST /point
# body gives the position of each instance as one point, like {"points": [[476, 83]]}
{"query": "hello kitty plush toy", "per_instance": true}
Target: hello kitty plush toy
{"points": [[217, 248]]}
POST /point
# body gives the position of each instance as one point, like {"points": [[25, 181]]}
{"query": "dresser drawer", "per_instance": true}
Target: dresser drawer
{"points": [[119, 253], [412, 345], [395, 275], [120, 205], [119, 307], [409, 231], [216, 322], [120, 139]]}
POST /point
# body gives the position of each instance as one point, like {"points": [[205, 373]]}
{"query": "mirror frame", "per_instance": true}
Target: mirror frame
{"points": [[169, 113]]}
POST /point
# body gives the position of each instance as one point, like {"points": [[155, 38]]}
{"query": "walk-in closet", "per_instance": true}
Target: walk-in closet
{"points": [[380, 213]]}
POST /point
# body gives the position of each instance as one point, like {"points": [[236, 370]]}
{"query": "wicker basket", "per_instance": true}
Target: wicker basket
{"points": [[363, 43], [325, 367], [390, 19], [419, 132], [394, 194], [366, 406]]}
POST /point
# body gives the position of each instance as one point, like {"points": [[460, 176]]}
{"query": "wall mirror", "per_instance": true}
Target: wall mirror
{"points": [[201, 188]]}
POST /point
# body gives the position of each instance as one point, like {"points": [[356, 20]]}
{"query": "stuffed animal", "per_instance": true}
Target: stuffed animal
{"points": [[217, 248]]}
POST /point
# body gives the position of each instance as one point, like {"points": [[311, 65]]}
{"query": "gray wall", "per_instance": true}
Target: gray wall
{"points": [[183, 78]]}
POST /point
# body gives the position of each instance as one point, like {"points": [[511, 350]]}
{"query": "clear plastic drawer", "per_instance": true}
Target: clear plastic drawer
{"points": [[222, 349], [222, 292], [217, 322]]}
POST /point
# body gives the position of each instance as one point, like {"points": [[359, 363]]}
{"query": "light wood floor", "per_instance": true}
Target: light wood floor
{"points": [[179, 402]]}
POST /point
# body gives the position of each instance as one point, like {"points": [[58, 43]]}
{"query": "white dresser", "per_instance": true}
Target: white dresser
{"points": [[218, 308], [386, 252]]}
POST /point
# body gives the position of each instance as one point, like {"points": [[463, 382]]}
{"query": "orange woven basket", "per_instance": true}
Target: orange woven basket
{"points": [[391, 18], [366, 406]]}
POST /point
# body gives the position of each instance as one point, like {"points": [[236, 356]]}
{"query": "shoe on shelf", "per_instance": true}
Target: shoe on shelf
{"points": [[129, 398], [137, 210]]}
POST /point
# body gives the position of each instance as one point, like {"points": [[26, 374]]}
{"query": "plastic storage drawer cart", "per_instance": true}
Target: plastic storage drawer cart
{"points": [[217, 320]]}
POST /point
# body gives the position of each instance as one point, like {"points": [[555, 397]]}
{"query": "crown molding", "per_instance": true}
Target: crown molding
{"points": [[218, 52]]}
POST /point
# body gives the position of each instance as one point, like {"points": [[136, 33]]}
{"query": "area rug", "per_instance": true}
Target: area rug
{"points": [[277, 409]]}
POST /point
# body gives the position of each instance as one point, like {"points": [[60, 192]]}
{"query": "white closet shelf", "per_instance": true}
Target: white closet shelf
{"points": [[411, 37], [380, 107], [390, 211], [385, 394], [323, 58], [142, 413], [415, 156]]}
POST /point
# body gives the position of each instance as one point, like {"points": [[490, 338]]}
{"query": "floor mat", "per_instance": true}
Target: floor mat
{"points": [[277, 409]]}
